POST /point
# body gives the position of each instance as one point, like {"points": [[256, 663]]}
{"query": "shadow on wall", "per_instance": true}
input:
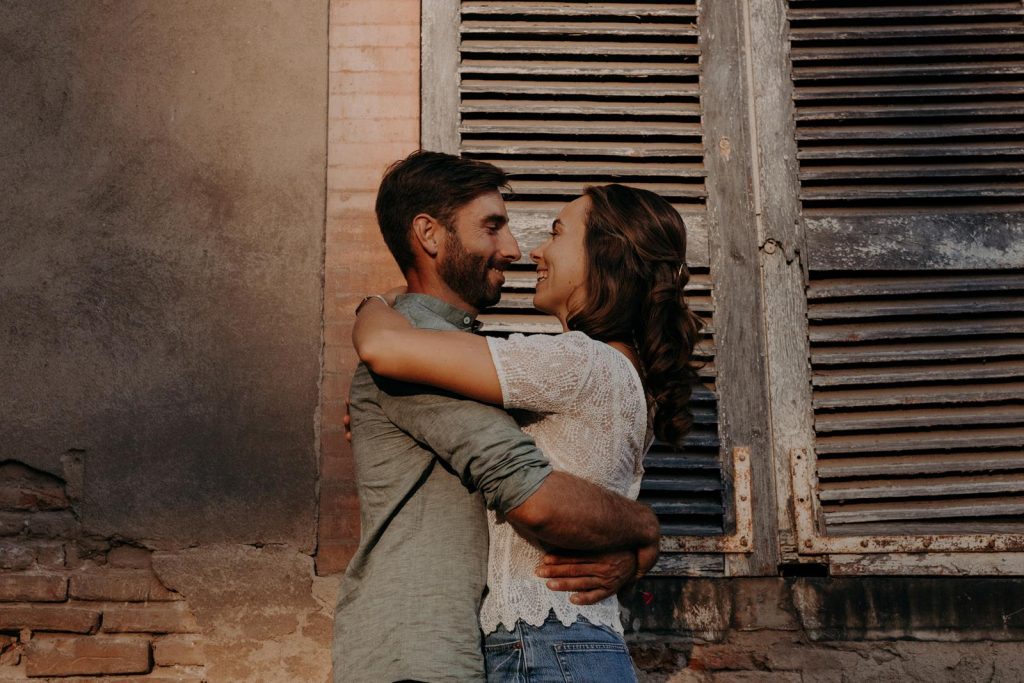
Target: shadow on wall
{"points": [[160, 281]]}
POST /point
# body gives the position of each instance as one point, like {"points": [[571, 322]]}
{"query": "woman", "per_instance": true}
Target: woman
{"points": [[613, 273]]}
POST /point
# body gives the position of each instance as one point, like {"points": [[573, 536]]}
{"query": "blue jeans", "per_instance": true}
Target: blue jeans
{"points": [[552, 653]]}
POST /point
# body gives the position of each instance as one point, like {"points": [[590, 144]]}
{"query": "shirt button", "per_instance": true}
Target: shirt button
{"points": [[466, 320]]}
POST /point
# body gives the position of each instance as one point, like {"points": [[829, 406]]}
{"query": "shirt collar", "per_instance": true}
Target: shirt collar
{"points": [[463, 320]]}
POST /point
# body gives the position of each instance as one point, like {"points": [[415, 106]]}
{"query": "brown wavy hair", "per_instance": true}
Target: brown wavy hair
{"points": [[636, 270]]}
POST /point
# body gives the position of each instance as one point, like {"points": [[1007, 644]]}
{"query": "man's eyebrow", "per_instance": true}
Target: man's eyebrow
{"points": [[499, 218]]}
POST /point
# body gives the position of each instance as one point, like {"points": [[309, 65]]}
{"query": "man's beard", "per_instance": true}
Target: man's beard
{"points": [[468, 275]]}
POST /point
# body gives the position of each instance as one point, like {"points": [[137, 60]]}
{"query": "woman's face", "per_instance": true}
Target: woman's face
{"points": [[562, 264]]}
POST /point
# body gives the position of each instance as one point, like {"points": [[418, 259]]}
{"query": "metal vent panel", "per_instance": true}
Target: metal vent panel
{"points": [[918, 392]]}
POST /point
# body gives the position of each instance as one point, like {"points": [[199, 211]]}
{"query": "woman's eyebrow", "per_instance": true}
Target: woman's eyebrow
{"points": [[556, 223]]}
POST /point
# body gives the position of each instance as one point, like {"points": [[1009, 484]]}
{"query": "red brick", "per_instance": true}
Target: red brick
{"points": [[390, 13], [19, 496], [332, 557], [162, 618], [48, 618], [14, 556], [88, 655], [12, 523], [127, 556], [50, 554], [53, 524], [178, 649], [10, 650], [127, 585], [33, 588]]}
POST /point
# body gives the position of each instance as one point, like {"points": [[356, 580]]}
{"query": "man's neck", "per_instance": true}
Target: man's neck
{"points": [[435, 287]]}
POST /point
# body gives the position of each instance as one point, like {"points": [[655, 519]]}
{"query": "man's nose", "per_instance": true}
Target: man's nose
{"points": [[509, 246]]}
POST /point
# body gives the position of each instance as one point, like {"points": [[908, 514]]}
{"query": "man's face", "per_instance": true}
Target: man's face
{"points": [[478, 247]]}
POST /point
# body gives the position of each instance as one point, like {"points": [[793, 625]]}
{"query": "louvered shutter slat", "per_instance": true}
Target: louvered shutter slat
{"points": [[564, 95]]}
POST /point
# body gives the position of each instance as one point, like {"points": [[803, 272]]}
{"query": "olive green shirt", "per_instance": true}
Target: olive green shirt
{"points": [[427, 462]]}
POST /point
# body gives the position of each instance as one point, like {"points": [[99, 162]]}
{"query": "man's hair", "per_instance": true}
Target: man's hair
{"points": [[433, 183]]}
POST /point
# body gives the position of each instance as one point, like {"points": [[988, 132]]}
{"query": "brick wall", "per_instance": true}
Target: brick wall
{"points": [[77, 605], [373, 120]]}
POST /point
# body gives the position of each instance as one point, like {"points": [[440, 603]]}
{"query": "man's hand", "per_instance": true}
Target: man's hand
{"points": [[592, 578]]}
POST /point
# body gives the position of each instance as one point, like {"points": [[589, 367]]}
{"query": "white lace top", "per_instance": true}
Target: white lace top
{"points": [[583, 403]]}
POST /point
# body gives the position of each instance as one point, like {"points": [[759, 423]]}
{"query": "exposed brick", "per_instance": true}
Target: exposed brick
{"points": [[33, 588], [333, 556], [19, 498], [128, 556], [48, 618], [12, 523], [178, 649], [53, 524], [161, 618], [127, 585], [10, 651], [755, 677], [15, 556], [50, 554], [88, 655], [721, 657]]}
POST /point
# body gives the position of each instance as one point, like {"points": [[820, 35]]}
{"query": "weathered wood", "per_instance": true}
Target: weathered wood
{"points": [[905, 90], [572, 29], [917, 395], [822, 288], [844, 310], [906, 111], [552, 128], [905, 50], [439, 92], [689, 564], [572, 189], [929, 564], [542, 108], [870, 331], [740, 333], [635, 89], [920, 373], [639, 149], [569, 69], [916, 241], [1008, 437], [926, 509], [937, 150], [691, 482], [992, 189], [927, 463], [596, 169], [917, 351], [910, 131], [848, 71], [634, 10], [944, 11], [674, 50], [907, 171], [921, 417], [689, 461], [783, 267], [889, 32], [933, 487]]}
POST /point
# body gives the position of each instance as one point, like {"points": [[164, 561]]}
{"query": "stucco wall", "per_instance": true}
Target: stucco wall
{"points": [[161, 261]]}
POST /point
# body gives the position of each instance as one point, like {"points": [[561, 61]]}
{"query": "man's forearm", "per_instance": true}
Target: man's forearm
{"points": [[569, 512]]}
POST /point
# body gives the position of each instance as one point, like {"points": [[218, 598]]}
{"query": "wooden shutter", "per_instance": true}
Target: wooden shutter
{"points": [[910, 141], [568, 94]]}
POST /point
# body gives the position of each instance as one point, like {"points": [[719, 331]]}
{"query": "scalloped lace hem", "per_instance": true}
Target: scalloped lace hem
{"points": [[567, 617]]}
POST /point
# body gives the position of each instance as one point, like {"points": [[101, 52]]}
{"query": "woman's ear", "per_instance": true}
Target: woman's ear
{"points": [[426, 232]]}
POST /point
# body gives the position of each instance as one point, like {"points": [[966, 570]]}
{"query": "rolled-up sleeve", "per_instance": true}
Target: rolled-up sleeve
{"points": [[481, 443]]}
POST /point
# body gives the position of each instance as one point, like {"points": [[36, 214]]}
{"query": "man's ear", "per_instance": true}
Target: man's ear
{"points": [[427, 233]]}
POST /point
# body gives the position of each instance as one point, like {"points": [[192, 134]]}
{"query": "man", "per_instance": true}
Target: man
{"points": [[428, 462]]}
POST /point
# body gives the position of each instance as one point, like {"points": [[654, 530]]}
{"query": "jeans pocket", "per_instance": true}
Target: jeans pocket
{"points": [[504, 662], [595, 662]]}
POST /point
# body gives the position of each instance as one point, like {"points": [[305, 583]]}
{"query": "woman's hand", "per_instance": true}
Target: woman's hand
{"points": [[394, 293], [374, 323]]}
